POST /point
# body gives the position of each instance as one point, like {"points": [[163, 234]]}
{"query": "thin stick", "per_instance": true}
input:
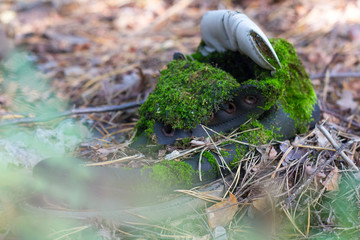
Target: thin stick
{"points": [[288, 151], [351, 123], [317, 170], [336, 75], [76, 111], [314, 147], [336, 146], [326, 85]]}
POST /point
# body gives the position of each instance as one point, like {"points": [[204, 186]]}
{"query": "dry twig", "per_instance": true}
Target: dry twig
{"points": [[77, 111], [317, 170], [336, 146]]}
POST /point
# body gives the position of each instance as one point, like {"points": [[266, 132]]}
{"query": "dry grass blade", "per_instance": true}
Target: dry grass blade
{"points": [[281, 161], [206, 196], [69, 232], [123, 159], [162, 228], [288, 151], [235, 182], [308, 220], [200, 158], [186, 152], [78, 111], [98, 79], [291, 219], [232, 136], [223, 162]]}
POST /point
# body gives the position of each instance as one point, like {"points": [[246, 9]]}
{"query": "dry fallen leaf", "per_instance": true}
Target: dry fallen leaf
{"points": [[318, 177], [331, 183], [273, 153], [223, 212], [347, 100]]}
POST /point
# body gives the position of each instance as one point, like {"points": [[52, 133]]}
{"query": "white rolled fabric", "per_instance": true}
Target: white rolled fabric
{"points": [[223, 30]]}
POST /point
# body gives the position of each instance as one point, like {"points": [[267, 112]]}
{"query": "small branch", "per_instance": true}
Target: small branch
{"points": [[337, 115], [76, 111], [336, 146], [336, 75]]}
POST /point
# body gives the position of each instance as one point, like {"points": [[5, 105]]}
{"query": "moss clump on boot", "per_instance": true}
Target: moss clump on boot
{"points": [[186, 94], [290, 85], [213, 162], [299, 97], [255, 133], [170, 174]]}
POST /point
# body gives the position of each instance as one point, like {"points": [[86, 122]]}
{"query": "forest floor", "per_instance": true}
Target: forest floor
{"points": [[111, 52]]}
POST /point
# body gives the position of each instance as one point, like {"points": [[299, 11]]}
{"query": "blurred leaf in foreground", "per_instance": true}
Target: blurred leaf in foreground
{"points": [[222, 213], [27, 92]]}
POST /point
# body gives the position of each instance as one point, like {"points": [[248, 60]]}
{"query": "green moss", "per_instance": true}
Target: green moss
{"points": [[170, 174], [151, 150], [240, 153], [299, 97], [232, 62], [183, 143], [224, 153], [186, 94], [212, 160], [255, 133]]}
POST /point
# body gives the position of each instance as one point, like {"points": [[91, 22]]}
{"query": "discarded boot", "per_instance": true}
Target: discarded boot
{"points": [[255, 88]]}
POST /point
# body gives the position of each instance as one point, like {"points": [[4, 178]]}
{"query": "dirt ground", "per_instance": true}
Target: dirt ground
{"points": [[89, 48]]}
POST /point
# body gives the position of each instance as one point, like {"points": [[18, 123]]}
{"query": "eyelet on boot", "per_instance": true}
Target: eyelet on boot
{"points": [[250, 100], [231, 108], [178, 56], [168, 131]]}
